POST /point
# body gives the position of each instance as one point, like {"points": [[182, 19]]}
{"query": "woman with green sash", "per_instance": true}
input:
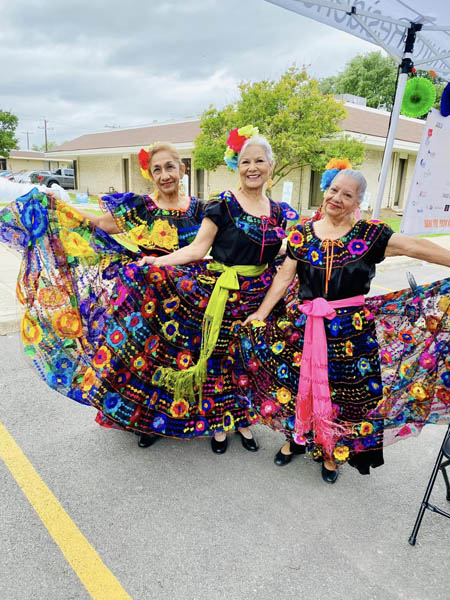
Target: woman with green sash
{"points": [[174, 375]]}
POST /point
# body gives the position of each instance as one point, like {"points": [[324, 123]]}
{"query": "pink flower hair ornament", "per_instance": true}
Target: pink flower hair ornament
{"points": [[236, 140]]}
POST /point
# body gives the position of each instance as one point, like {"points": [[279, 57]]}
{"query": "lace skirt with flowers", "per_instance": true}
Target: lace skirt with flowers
{"points": [[413, 330], [65, 285], [388, 369], [155, 321]]}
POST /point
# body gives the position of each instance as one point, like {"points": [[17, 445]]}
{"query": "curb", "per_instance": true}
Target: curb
{"points": [[9, 325], [398, 263]]}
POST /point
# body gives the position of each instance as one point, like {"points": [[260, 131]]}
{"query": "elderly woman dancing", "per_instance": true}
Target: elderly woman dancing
{"points": [[71, 266], [174, 371], [315, 373]]}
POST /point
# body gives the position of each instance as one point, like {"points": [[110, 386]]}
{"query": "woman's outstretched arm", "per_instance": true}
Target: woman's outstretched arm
{"points": [[105, 221], [402, 245], [277, 290], [195, 251]]}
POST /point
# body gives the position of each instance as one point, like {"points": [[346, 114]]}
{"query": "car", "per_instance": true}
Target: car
{"points": [[38, 176], [7, 174], [23, 176], [63, 177]]}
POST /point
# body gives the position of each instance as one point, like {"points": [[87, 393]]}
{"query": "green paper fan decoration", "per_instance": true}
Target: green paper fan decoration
{"points": [[420, 95]]}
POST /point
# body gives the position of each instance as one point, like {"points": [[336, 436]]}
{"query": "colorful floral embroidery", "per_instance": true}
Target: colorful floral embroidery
{"points": [[295, 238], [357, 247]]}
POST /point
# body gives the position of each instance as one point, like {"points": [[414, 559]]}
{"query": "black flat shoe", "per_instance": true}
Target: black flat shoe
{"points": [[284, 459], [219, 447], [146, 440], [329, 476], [249, 443]]}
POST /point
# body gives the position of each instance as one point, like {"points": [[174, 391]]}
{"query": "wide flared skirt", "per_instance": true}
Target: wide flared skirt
{"points": [[66, 280], [388, 370], [155, 322]]}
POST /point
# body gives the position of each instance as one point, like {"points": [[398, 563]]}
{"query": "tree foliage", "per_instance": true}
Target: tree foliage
{"points": [[8, 125], [300, 122], [373, 76], [41, 148]]}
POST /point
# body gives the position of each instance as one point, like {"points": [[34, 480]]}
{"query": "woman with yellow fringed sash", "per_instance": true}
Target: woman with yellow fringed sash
{"points": [[180, 365]]}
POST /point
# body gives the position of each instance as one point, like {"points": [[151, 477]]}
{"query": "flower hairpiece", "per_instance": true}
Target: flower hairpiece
{"points": [[332, 169], [144, 163], [235, 141]]}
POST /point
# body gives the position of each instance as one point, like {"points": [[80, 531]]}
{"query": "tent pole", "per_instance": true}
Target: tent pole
{"points": [[402, 79], [405, 68]]}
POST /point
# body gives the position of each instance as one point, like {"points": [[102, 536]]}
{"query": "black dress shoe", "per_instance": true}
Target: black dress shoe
{"points": [[219, 447], [284, 459], [249, 443], [329, 476], [146, 440]]}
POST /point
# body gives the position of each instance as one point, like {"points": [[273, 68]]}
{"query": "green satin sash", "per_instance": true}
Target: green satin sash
{"points": [[185, 383]]}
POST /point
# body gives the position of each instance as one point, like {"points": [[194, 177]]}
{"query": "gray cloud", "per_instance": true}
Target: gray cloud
{"points": [[87, 64]]}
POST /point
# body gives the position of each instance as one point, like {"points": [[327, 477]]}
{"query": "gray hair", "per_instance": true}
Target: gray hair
{"points": [[357, 176], [259, 140]]}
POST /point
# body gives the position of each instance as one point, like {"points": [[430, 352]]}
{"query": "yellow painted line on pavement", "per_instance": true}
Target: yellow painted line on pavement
{"points": [[84, 560]]}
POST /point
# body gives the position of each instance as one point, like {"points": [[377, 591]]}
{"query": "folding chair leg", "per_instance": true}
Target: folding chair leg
{"points": [[444, 473], [424, 505]]}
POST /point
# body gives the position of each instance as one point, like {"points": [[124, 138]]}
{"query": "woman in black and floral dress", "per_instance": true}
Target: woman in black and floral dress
{"points": [[71, 266], [172, 370], [315, 371]]}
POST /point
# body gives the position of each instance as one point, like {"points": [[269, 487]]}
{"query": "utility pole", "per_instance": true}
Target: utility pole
{"points": [[28, 133], [46, 140], [45, 128]]}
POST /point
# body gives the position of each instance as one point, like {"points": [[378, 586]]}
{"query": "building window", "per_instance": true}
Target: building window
{"points": [[2, 164], [200, 183], [315, 193], [400, 183], [126, 176], [75, 174], [187, 163]]}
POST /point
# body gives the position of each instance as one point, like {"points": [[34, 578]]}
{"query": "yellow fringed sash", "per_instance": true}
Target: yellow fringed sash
{"points": [[184, 383]]}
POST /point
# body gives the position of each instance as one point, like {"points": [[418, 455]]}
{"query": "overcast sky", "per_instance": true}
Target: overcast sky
{"points": [[87, 64]]}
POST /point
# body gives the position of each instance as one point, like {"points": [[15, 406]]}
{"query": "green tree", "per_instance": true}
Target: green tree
{"points": [[8, 125], [439, 85], [41, 148], [300, 122], [371, 76]]}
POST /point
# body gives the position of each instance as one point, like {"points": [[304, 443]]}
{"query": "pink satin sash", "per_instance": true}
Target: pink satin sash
{"points": [[313, 408]]}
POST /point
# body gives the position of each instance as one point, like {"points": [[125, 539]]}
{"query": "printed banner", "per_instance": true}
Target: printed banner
{"points": [[427, 208]]}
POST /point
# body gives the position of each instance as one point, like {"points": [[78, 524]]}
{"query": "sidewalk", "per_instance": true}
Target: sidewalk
{"points": [[10, 310]]}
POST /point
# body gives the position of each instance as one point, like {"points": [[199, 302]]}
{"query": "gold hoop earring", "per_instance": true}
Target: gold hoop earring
{"points": [[269, 184]]}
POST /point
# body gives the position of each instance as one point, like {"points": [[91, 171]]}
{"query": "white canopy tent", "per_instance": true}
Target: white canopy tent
{"points": [[413, 32]]}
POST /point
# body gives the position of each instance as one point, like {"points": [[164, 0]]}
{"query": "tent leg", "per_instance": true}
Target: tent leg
{"points": [[405, 68], [403, 77]]}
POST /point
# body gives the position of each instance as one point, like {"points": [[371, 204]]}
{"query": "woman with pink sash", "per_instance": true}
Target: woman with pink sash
{"points": [[316, 373]]}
